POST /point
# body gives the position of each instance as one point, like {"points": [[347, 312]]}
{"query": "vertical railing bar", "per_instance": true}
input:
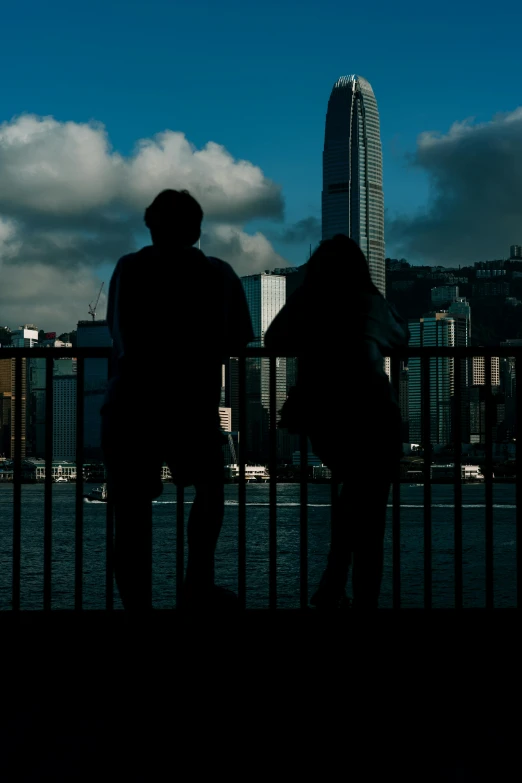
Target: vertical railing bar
{"points": [[334, 497], [518, 511], [426, 397], [272, 470], [396, 503], [242, 438], [17, 483], [109, 557], [180, 540], [303, 526], [109, 525], [78, 535], [48, 496], [334, 507], [489, 481], [457, 448]]}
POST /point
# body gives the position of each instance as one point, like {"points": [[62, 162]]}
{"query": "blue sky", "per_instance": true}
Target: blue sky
{"points": [[256, 77]]}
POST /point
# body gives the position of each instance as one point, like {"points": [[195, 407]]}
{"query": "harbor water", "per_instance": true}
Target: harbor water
{"points": [[288, 511]]}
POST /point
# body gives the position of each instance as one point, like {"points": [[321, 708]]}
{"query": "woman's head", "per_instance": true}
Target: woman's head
{"points": [[339, 264]]}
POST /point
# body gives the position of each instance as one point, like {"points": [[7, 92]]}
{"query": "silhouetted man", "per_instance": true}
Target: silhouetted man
{"points": [[174, 315]]}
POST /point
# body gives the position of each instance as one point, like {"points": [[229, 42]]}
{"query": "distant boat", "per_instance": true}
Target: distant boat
{"points": [[60, 479], [98, 494]]}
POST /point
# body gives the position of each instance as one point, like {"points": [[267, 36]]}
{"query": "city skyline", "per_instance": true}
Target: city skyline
{"points": [[78, 165], [490, 270]]}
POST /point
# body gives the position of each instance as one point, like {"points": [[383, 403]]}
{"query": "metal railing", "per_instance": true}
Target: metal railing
{"points": [[424, 354]]}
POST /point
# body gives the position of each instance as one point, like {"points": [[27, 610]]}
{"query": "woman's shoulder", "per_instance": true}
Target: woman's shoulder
{"points": [[286, 329]]}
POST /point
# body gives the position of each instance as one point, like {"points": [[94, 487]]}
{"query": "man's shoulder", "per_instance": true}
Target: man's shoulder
{"points": [[227, 274], [223, 267], [128, 259]]}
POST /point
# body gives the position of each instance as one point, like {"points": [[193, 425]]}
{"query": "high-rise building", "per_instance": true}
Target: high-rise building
{"points": [[64, 417], [508, 386], [352, 198], [403, 403], [515, 251], [36, 407], [93, 334], [443, 294], [265, 295], [36, 391], [437, 329], [25, 337], [225, 419], [5, 424], [232, 390], [8, 393], [479, 371], [460, 311]]}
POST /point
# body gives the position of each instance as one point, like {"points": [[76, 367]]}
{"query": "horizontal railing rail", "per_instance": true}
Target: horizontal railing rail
{"points": [[425, 354], [411, 352]]}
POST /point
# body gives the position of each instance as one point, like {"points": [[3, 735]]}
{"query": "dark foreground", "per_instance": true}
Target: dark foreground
{"points": [[414, 695]]}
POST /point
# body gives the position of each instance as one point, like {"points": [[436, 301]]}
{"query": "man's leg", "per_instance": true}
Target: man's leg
{"points": [[133, 551], [132, 502], [204, 527]]}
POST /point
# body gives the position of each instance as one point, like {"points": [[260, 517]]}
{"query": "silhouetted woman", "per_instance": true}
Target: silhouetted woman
{"points": [[343, 328]]}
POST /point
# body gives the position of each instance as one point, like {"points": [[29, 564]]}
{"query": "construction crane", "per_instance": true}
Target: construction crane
{"points": [[92, 310]]}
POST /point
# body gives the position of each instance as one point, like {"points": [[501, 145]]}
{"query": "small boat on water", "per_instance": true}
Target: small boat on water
{"points": [[98, 494]]}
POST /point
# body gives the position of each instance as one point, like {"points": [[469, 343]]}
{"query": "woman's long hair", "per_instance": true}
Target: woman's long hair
{"points": [[339, 266]]}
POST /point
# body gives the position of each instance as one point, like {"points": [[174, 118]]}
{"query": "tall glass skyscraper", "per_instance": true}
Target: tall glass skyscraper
{"points": [[266, 295], [437, 329], [352, 201], [93, 334]]}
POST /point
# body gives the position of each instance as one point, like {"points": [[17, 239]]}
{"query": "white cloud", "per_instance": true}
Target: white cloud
{"points": [[226, 189], [70, 203], [67, 168], [248, 254]]}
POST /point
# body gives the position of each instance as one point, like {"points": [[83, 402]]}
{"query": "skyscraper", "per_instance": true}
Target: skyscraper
{"points": [[479, 371], [437, 329], [36, 407], [64, 417], [460, 311], [93, 334], [25, 337], [266, 295], [352, 200], [8, 394]]}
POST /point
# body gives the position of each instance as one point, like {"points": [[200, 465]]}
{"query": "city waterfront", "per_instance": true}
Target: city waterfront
{"points": [[288, 509]]}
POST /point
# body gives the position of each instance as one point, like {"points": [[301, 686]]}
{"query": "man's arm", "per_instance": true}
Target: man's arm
{"points": [[118, 315], [111, 299]]}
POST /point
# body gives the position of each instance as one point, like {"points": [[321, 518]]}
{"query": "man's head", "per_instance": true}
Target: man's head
{"points": [[174, 218]]}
